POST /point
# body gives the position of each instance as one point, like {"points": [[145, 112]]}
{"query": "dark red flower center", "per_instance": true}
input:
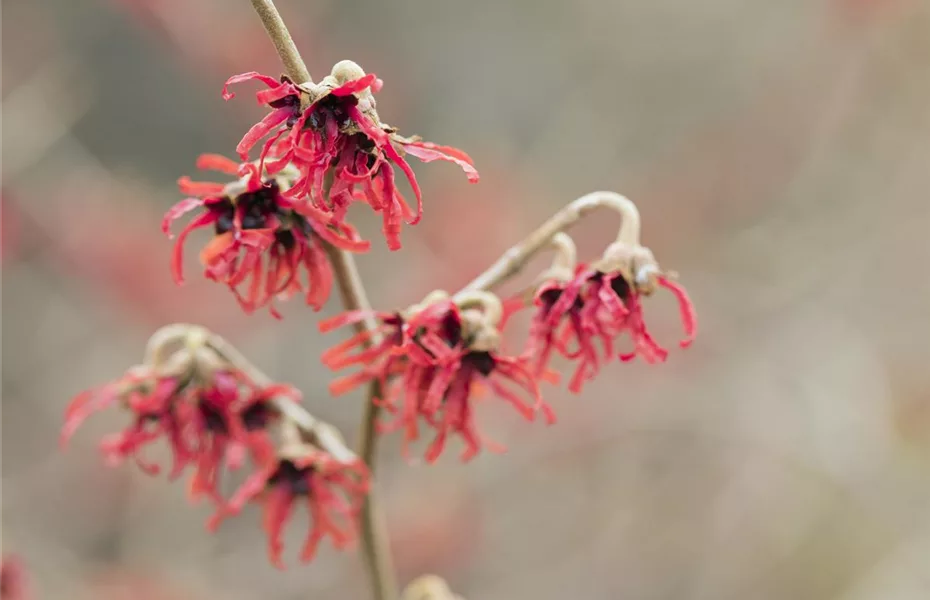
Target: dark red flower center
{"points": [[334, 108], [285, 238], [449, 330], [150, 417], [396, 323], [295, 479], [621, 287], [292, 101], [224, 220], [257, 208], [214, 419], [482, 362], [254, 418], [552, 295]]}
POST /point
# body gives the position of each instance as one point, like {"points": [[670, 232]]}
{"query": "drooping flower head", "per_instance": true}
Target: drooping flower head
{"points": [[263, 242], [229, 420], [211, 415], [331, 486], [332, 134], [601, 303], [148, 397], [433, 360]]}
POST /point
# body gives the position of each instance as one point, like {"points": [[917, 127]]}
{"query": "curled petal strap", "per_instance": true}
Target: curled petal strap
{"points": [[354, 86], [217, 162], [405, 167], [200, 188], [688, 316], [177, 253], [177, 211], [261, 129], [276, 93], [277, 511], [350, 318], [333, 238], [242, 77], [428, 152]]}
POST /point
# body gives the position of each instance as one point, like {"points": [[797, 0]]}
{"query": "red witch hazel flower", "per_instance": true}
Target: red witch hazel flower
{"points": [[262, 240], [332, 486], [211, 414], [432, 361], [197, 392], [331, 133], [229, 420], [602, 302]]}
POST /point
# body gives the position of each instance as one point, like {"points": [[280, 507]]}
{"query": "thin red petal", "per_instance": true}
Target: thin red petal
{"points": [[261, 129], [242, 77], [177, 253], [348, 318], [686, 307], [178, 210], [276, 93], [217, 162], [428, 152], [354, 86], [277, 510], [405, 167], [343, 243], [200, 188]]}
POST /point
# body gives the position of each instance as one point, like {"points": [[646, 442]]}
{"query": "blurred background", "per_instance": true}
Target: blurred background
{"points": [[780, 154]]}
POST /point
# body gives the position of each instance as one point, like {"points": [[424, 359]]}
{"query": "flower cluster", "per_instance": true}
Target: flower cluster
{"points": [[600, 303], [213, 416], [431, 361], [279, 228], [332, 490], [262, 240], [326, 148], [332, 135]]}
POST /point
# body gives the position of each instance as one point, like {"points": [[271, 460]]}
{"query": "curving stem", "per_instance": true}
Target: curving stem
{"points": [[373, 533], [492, 311], [283, 43], [160, 341], [566, 253], [512, 261]]}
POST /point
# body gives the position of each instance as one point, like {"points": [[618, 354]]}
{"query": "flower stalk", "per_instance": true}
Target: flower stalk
{"points": [[514, 259], [352, 292]]}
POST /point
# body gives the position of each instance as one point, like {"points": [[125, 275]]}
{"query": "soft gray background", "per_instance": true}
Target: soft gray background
{"points": [[780, 152]]}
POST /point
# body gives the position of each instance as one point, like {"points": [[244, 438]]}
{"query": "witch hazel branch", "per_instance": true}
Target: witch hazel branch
{"points": [[278, 229]]}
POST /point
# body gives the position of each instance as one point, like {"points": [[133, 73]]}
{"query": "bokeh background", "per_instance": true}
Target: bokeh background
{"points": [[780, 153]]}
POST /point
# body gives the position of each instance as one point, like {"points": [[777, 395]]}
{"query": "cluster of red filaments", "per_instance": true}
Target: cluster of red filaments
{"points": [[324, 149], [432, 361], [264, 246], [434, 358], [332, 135], [601, 304], [215, 419]]}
